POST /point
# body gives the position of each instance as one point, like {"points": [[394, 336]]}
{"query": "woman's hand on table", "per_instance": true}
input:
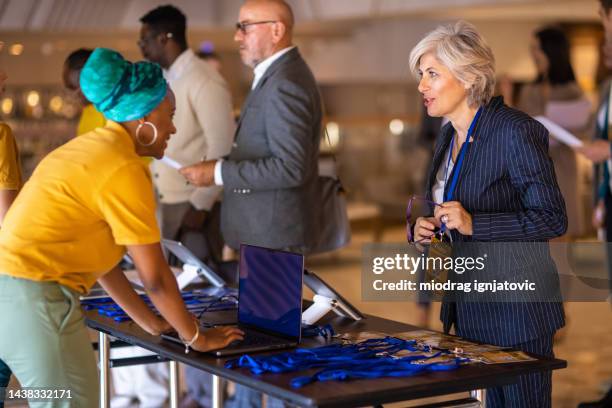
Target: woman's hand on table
{"points": [[158, 327], [217, 338]]}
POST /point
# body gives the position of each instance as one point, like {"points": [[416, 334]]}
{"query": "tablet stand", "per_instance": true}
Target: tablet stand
{"points": [[192, 272], [193, 267], [326, 299], [318, 309]]}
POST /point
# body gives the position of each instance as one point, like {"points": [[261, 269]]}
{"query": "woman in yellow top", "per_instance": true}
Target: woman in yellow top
{"points": [[10, 169], [10, 183], [85, 203]]}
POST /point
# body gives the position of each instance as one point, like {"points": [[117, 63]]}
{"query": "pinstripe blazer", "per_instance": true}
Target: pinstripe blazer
{"points": [[601, 174], [507, 183]]}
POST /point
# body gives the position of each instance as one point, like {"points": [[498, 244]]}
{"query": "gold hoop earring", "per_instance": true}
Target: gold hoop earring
{"points": [[139, 128]]}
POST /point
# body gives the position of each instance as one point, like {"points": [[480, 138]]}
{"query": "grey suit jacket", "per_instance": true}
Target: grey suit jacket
{"points": [[270, 176]]}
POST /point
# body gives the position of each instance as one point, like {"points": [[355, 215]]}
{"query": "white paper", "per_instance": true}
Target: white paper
{"points": [[559, 133], [172, 163]]}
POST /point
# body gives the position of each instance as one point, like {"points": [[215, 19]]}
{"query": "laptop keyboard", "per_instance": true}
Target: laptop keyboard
{"points": [[252, 339]]}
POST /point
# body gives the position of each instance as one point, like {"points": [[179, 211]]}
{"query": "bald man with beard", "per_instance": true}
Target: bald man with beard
{"points": [[269, 179], [270, 176]]}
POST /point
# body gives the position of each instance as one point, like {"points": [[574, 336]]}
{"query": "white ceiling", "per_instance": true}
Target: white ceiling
{"points": [[344, 40], [102, 15]]}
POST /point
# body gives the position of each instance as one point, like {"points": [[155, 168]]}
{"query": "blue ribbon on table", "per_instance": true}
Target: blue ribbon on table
{"points": [[195, 302], [371, 358]]}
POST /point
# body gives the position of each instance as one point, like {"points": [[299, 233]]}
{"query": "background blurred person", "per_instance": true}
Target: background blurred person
{"points": [[204, 131], [208, 54], [599, 151], [556, 95], [90, 117], [10, 183]]}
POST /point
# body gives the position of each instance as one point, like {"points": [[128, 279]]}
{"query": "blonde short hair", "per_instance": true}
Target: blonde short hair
{"points": [[465, 53]]}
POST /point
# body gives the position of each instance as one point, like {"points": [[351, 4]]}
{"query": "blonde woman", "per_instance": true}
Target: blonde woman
{"points": [[494, 181]]}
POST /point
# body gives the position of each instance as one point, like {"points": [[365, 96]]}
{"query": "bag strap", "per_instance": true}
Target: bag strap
{"points": [[333, 154]]}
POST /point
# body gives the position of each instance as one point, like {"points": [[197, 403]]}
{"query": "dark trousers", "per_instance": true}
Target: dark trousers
{"points": [[5, 377], [532, 390]]}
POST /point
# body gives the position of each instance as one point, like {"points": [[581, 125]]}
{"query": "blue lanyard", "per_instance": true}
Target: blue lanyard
{"points": [[195, 302], [368, 359], [449, 195]]}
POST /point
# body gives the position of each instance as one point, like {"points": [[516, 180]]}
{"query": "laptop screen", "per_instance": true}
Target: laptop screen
{"points": [[270, 290]]}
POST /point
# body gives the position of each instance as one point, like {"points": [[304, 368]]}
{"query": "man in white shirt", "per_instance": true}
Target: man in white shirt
{"points": [[205, 128]]}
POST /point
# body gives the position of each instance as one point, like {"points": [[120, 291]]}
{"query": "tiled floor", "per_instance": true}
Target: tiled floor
{"points": [[587, 344]]}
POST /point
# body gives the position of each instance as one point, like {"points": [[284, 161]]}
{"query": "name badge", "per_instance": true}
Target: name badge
{"points": [[440, 251]]}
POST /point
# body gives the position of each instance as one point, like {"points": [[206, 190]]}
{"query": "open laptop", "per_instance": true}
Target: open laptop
{"points": [[270, 301]]}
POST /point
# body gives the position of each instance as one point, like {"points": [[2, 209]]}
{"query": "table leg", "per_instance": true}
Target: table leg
{"points": [[103, 346], [480, 395], [174, 384], [217, 392]]}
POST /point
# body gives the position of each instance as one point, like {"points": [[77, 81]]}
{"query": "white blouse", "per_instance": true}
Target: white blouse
{"points": [[437, 190]]}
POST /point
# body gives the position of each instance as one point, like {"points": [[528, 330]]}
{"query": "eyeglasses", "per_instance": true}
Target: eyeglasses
{"points": [[242, 26], [409, 235]]}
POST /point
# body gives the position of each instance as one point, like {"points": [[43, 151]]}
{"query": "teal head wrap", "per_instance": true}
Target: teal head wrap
{"points": [[119, 89]]}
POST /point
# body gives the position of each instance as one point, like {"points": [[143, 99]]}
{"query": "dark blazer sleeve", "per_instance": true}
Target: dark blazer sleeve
{"points": [[531, 172], [288, 122]]}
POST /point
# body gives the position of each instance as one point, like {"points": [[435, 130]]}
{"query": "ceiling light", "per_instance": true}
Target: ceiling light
{"points": [[33, 98], [6, 106], [396, 127], [56, 103], [16, 49]]}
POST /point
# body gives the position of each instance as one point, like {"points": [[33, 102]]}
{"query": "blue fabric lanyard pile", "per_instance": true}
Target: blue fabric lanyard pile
{"points": [[195, 301], [371, 358]]}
